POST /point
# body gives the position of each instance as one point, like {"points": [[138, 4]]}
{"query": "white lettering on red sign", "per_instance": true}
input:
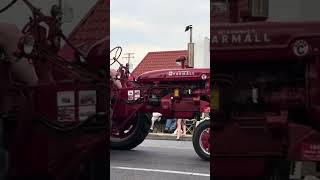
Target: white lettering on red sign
{"points": [[311, 152], [237, 37], [180, 73]]}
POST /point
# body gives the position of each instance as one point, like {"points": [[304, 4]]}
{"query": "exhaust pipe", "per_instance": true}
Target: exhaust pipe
{"points": [[191, 55], [190, 48]]}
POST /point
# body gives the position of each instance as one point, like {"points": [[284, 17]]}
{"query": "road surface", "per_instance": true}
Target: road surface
{"points": [[159, 160]]}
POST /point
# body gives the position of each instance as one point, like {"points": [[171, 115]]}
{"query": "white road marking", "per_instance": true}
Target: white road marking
{"points": [[162, 171], [166, 147]]}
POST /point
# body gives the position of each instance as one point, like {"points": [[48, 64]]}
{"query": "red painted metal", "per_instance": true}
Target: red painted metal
{"points": [[155, 83], [172, 75], [260, 41], [175, 93]]}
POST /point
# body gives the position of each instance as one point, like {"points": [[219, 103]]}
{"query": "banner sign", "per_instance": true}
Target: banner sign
{"points": [[311, 152]]}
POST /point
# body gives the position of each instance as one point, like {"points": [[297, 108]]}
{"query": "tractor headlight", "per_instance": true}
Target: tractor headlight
{"points": [[28, 44]]}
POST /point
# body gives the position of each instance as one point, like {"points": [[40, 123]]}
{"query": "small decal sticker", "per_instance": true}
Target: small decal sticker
{"points": [[136, 94], [130, 95], [65, 98], [87, 97]]}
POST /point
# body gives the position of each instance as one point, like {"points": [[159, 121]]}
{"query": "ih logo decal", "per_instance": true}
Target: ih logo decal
{"points": [[301, 48]]}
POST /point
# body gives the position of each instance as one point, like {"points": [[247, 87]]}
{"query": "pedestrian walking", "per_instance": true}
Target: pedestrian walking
{"points": [[170, 125], [181, 123], [155, 117]]}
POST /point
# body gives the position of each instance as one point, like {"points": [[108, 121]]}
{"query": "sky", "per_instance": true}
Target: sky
{"points": [[143, 26]]}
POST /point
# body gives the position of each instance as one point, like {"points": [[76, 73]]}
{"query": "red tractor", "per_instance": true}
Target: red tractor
{"points": [[266, 100], [54, 122], [175, 93]]}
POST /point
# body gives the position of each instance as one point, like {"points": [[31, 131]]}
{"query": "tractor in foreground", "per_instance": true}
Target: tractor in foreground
{"points": [[265, 100], [175, 93]]}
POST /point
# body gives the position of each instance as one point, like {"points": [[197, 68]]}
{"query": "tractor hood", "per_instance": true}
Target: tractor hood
{"points": [[167, 75], [264, 41]]}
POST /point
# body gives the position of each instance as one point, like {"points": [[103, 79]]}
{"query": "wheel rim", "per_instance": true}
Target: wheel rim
{"points": [[118, 136], [125, 133], [204, 141]]}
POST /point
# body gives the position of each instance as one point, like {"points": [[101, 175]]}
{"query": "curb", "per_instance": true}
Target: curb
{"points": [[163, 136]]}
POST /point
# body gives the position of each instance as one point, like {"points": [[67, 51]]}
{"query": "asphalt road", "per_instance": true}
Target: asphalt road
{"points": [[159, 160]]}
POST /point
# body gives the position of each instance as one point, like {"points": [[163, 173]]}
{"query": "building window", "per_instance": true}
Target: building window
{"points": [[219, 7], [259, 8]]}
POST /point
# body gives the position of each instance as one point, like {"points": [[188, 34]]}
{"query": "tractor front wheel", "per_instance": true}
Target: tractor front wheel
{"points": [[134, 136], [201, 140]]}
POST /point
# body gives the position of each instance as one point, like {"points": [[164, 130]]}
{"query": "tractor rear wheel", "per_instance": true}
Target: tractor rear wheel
{"points": [[135, 135]]}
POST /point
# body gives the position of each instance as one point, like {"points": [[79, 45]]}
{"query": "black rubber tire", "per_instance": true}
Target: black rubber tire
{"points": [[94, 170], [136, 137], [279, 170], [110, 120], [196, 139]]}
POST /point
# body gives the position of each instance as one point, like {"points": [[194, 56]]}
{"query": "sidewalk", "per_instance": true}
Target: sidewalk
{"points": [[167, 136]]}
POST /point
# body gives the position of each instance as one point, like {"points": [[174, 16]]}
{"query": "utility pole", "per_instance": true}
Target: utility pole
{"points": [[128, 56]]}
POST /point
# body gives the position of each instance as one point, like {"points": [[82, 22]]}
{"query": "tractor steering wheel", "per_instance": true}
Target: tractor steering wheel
{"points": [[118, 51], [8, 6]]}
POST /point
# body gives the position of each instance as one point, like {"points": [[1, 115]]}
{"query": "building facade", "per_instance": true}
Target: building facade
{"points": [[264, 10]]}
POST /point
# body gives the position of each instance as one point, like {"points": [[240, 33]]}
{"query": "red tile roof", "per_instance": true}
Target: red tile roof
{"points": [[94, 26], [159, 60]]}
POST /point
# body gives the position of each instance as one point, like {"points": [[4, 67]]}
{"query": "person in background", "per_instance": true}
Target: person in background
{"points": [[181, 123], [155, 117], [170, 126]]}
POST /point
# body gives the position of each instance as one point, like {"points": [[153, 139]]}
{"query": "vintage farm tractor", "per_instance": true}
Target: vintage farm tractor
{"points": [[54, 122], [175, 93], [266, 100]]}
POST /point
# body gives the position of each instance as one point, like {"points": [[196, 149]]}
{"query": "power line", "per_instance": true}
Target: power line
{"points": [[129, 56]]}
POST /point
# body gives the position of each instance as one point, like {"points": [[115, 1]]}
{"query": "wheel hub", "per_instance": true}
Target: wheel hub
{"points": [[204, 141]]}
